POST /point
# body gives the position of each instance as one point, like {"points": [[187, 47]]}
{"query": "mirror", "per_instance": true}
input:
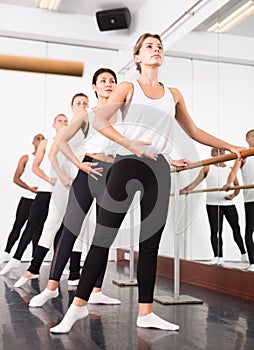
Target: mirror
{"points": [[218, 66]]}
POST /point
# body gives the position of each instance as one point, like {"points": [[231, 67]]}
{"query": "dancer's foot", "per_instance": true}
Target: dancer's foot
{"points": [[43, 297], [73, 314], [215, 261], [153, 321], [12, 264], [100, 298], [250, 267], [25, 278], [244, 258], [221, 261]]}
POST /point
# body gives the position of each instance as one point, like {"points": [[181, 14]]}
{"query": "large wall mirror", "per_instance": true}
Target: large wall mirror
{"points": [[213, 67]]}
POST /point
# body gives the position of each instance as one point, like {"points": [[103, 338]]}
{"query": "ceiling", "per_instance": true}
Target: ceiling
{"points": [[83, 7], [244, 28], [90, 7]]}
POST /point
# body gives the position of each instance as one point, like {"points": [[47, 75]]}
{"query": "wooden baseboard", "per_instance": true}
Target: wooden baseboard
{"points": [[225, 280]]}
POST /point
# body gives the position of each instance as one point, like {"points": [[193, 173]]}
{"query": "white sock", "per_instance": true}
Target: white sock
{"points": [[23, 280], [215, 261], [12, 264], [244, 258], [73, 282], [221, 261], [43, 297], [100, 298], [250, 267], [153, 321], [73, 314]]}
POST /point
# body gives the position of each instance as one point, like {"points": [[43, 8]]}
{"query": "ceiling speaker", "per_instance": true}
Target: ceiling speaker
{"points": [[113, 19]]}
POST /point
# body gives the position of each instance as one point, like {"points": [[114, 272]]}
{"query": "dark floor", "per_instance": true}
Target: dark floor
{"points": [[220, 323]]}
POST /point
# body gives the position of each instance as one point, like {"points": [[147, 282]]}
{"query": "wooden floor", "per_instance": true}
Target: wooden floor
{"points": [[222, 322]]}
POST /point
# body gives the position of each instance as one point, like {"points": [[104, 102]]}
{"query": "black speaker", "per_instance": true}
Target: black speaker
{"points": [[113, 19]]}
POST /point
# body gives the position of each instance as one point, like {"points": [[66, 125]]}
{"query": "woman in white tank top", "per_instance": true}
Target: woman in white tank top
{"points": [[88, 184], [141, 160], [52, 228], [219, 204]]}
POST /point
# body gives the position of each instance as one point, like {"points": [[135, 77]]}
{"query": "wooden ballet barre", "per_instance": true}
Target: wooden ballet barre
{"points": [[41, 65], [244, 153], [218, 189]]}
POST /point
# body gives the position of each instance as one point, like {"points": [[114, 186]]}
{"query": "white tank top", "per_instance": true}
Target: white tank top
{"points": [[77, 142], [95, 142], [45, 165], [248, 179], [29, 178], [149, 120], [217, 177]]}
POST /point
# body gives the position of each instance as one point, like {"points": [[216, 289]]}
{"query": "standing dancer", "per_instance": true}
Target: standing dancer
{"points": [[39, 210], [58, 202], [88, 184], [149, 110], [247, 169], [218, 205], [27, 180]]}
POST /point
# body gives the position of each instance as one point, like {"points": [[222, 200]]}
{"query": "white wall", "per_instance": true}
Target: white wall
{"points": [[30, 101]]}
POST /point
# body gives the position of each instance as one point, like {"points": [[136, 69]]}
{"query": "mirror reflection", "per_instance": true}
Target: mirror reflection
{"points": [[216, 226]]}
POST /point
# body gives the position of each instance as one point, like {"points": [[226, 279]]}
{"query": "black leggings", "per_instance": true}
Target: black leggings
{"points": [[82, 193], [216, 214], [35, 222], [249, 228], [40, 253], [128, 175], [22, 215]]}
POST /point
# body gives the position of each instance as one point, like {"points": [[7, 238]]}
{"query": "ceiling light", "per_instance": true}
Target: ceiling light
{"points": [[49, 4], [233, 19]]}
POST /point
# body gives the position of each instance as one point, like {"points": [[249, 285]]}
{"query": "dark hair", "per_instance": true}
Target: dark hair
{"points": [[248, 133], [139, 43], [80, 94], [100, 71]]}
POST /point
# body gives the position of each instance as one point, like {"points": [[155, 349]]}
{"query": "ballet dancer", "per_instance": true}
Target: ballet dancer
{"points": [[218, 205], [247, 170], [149, 108], [39, 210], [58, 202], [27, 180], [88, 184]]}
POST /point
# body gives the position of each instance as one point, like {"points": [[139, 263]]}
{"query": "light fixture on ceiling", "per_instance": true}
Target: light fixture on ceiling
{"points": [[49, 4], [233, 19]]}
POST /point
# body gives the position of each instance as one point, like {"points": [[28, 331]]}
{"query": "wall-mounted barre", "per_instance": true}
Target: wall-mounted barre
{"points": [[41, 65], [215, 189], [244, 153]]}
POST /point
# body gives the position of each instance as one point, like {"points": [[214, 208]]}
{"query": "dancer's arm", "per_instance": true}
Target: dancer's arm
{"points": [[201, 176], [19, 172], [232, 175], [54, 150], [37, 162], [76, 123], [236, 192]]}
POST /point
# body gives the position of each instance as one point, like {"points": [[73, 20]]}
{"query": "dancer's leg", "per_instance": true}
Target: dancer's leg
{"points": [[249, 228], [22, 215], [231, 215]]}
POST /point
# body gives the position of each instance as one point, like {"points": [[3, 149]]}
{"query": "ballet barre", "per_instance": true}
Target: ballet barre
{"points": [[176, 298], [218, 189], [41, 65]]}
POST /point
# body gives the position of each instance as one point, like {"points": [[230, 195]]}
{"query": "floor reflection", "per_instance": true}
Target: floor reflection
{"points": [[221, 322]]}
